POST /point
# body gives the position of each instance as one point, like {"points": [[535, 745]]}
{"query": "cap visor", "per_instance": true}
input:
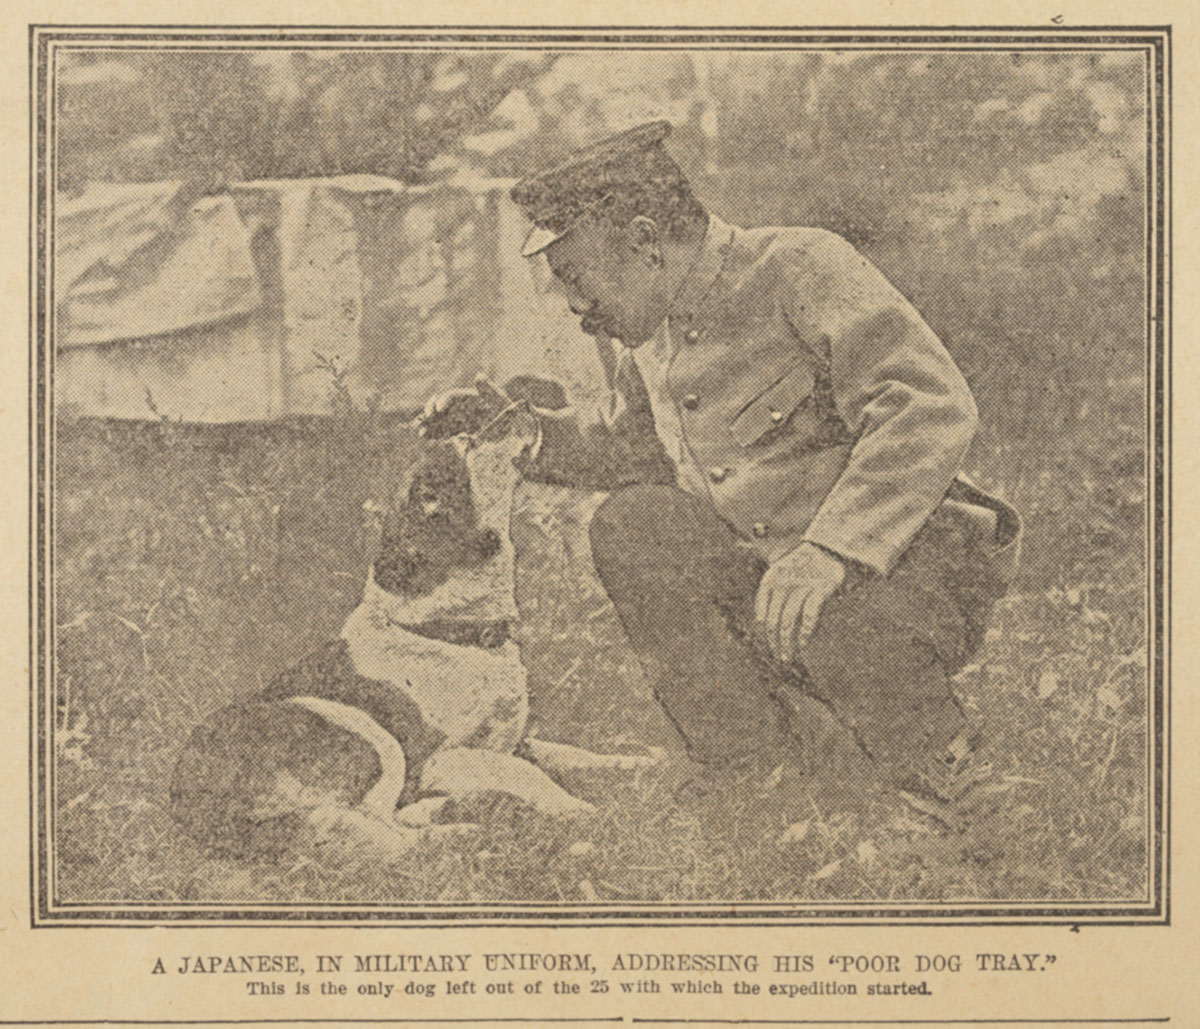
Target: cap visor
{"points": [[538, 239]]}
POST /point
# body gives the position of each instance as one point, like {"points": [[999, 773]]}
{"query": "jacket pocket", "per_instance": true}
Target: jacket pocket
{"points": [[1006, 537], [773, 409]]}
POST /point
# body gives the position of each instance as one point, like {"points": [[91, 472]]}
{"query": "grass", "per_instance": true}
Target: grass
{"points": [[193, 564]]}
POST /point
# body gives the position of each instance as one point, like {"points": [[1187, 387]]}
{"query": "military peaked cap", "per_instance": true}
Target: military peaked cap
{"points": [[631, 171]]}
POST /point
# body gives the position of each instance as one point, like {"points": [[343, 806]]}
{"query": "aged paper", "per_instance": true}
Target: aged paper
{"points": [[333, 702]]}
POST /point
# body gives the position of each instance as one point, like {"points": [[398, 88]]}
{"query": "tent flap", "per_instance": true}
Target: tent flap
{"points": [[134, 262]]}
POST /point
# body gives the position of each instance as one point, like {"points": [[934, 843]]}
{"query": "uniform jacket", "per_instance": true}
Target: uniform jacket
{"points": [[795, 387]]}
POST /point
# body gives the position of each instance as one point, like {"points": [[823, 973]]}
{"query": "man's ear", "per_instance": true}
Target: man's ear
{"points": [[644, 239]]}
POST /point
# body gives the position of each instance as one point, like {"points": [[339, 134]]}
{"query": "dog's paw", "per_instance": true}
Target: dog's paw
{"points": [[463, 773], [350, 831], [421, 812]]}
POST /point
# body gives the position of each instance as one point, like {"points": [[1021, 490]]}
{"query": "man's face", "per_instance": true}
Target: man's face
{"points": [[609, 282]]}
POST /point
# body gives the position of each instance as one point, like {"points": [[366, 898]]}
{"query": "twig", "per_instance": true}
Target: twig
{"points": [[1112, 750], [561, 680], [133, 626], [141, 634], [616, 889]]}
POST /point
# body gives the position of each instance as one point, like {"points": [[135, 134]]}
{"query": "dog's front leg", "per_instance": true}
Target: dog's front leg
{"points": [[562, 758], [460, 773]]}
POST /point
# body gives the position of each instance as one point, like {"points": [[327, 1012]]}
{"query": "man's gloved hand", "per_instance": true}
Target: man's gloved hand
{"points": [[462, 410], [791, 595], [469, 409]]}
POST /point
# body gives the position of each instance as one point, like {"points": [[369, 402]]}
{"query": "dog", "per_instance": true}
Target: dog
{"points": [[416, 715]]}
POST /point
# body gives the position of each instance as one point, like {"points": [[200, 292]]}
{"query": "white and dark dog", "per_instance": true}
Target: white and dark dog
{"points": [[417, 713]]}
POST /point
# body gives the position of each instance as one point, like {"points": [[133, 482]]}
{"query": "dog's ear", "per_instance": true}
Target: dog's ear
{"points": [[439, 475], [397, 567], [544, 393]]}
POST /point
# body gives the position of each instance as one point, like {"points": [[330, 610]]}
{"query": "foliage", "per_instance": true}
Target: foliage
{"points": [[218, 117]]}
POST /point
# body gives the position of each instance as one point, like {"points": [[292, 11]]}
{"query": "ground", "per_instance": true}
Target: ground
{"points": [[192, 565]]}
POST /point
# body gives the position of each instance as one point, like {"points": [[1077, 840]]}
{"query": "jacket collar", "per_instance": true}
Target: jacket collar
{"points": [[718, 241]]}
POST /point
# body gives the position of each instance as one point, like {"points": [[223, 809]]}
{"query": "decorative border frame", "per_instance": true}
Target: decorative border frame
{"points": [[45, 41]]}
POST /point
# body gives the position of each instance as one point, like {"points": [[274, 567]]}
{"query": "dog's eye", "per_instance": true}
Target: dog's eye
{"points": [[429, 500], [488, 542]]}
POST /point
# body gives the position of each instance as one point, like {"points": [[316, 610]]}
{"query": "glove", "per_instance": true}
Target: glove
{"points": [[791, 594]]}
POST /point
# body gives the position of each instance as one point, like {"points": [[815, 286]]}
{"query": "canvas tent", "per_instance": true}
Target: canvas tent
{"points": [[249, 304]]}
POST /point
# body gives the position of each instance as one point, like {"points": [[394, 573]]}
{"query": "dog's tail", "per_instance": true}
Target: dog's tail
{"points": [[249, 775]]}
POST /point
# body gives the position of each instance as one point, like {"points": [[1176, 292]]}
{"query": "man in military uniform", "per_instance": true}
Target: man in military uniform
{"points": [[810, 525]]}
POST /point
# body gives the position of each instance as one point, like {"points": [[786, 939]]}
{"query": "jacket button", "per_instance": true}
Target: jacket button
{"points": [[691, 402], [718, 474], [760, 530], [776, 417], [691, 336]]}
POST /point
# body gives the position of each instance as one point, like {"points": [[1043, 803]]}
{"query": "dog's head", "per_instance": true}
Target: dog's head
{"points": [[451, 515], [433, 526]]}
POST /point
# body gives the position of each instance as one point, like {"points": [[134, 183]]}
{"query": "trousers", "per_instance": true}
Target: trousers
{"points": [[880, 658]]}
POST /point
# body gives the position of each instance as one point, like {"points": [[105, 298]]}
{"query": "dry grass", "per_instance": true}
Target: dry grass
{"points": [[192, 565]]}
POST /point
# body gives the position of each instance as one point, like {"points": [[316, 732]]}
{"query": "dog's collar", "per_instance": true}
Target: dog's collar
{"points": [[479, 596], [488, 635]]}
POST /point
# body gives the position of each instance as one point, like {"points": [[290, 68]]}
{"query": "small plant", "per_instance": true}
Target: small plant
{"points": [[168, 427], [341, 401], [70, 734]]}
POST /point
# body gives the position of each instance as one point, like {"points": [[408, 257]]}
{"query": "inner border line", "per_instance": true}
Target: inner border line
{"points": [[44, 39]]}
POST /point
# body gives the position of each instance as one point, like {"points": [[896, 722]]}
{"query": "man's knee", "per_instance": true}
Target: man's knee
{"points": [[653, 544], [630, 505], [625, 527]]}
